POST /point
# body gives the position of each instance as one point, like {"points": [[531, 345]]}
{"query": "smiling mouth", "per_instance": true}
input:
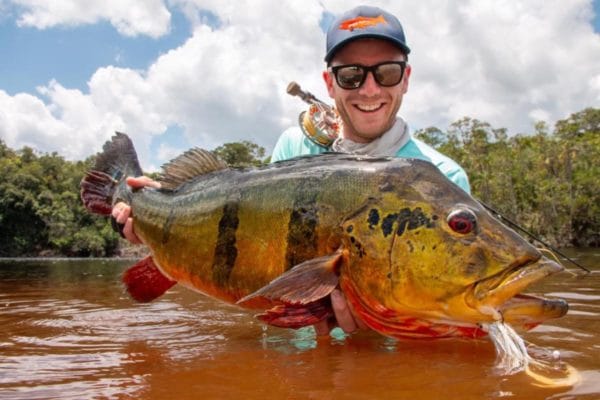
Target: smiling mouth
{"points": [[369, 107], [500, 295]]}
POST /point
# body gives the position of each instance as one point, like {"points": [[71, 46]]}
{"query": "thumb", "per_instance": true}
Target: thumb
{"points": [[142, 181]]}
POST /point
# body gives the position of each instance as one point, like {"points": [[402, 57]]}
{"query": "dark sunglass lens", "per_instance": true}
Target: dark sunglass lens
{"points": [[350, 77], [389, 74]]}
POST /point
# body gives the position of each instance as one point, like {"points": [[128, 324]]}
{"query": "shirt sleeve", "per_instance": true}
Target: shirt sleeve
{"points": [[418, 149], [281, 149], [459, 176], [292, 143]]}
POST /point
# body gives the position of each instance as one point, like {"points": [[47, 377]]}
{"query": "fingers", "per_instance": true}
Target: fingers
{"points": [[322, 328], [342, 312], [142, 181], [343, 317], [129, 233], [121, 213]]}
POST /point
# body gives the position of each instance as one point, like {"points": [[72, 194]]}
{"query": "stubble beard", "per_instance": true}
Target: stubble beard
{"points": [[350, 130]]}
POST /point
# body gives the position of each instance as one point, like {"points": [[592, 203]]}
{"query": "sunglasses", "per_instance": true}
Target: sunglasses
{"points": [[352, 76]]}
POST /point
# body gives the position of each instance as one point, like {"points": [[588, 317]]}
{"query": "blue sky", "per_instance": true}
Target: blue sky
{"points": [[191, 72], [34, 56]]}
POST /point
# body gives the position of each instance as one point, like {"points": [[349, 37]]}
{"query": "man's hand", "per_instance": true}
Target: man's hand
{"points": [[344, 318], [121, 212]]}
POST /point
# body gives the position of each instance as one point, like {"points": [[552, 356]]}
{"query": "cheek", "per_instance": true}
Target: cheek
{"points": [[341, 109]]}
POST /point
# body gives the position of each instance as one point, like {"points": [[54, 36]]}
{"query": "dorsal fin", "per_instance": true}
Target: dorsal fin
{"points": [[192, 163]]}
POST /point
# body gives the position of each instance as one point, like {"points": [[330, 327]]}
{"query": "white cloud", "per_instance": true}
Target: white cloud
{"points": [[498, 61], [129, 17], [167, 153], [505, 63]]}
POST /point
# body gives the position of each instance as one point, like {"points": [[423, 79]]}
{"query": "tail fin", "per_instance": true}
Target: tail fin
{"points": [[105, 184]]}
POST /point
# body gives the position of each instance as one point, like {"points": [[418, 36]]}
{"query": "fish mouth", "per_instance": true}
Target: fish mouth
{"points": [[500, 297]]}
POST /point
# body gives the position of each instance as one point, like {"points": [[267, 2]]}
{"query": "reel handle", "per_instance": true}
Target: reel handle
{"points": [[294, 89]]}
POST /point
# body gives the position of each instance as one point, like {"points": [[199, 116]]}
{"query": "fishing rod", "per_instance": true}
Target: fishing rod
{"points": [[525, 231]]}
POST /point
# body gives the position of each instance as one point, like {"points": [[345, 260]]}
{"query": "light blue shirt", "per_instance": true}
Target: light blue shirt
{"points": [[293, 143]]}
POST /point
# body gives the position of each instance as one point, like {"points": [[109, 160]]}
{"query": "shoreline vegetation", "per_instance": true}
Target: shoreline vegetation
{"points": [[547, 181]]}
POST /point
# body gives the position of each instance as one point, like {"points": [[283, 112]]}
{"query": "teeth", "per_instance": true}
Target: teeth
{"points": [[368, 107]]}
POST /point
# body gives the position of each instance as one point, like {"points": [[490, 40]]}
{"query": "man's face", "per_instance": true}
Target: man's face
{"points": [[370, 110]]}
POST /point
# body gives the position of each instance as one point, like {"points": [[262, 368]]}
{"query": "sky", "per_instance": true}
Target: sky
{"points": [[174, 74]]}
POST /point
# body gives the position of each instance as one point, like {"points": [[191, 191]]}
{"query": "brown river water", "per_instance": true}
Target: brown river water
{"points": [[68, 331]]}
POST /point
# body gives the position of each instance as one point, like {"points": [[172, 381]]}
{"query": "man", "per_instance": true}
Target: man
{"points": [[367, 76]]}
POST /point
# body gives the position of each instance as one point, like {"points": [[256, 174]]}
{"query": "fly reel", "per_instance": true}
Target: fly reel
{"points": [[320, 123]]}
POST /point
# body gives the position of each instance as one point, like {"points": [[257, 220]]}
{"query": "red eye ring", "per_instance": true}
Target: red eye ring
{"points": [[462, 221]]}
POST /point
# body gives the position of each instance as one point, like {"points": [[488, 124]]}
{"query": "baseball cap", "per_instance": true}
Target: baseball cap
{"points": [[364, 22]]}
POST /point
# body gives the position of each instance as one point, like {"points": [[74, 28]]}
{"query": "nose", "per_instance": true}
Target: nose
{"points": [[370, 87]]}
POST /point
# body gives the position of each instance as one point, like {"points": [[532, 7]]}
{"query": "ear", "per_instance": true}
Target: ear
{"points": [[328, 78], [406, 78]]}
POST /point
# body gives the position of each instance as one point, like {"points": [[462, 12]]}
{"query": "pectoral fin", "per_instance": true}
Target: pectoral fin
{"points": [[144, 281], [305, 283]]}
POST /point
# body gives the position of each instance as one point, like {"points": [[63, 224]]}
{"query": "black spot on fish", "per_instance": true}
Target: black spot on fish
{"points": [[225, 250], [412, 219], [404, 217], [373, 218], [387, 224], [166, 230], [410, 245], [302, 238], [359, 247]]}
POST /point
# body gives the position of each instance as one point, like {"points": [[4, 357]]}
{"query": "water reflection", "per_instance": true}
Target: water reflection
{"points": [[69, 331]]}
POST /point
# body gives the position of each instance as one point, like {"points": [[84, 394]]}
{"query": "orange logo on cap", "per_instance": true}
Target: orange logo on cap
{"points": [[362, 23]]}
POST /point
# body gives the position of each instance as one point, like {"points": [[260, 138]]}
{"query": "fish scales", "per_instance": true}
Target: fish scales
{"points": [[277, 210], [414, 255]]}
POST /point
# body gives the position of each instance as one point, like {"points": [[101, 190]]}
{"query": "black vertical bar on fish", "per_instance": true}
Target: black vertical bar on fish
{"points": [[302, 239], [225, 249]]}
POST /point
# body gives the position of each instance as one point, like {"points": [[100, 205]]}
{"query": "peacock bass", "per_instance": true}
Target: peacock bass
{"points": [[414, 255]]}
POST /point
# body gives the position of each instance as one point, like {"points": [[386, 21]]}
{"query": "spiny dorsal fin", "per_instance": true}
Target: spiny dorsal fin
{"points": [[192, 163], [118, 157]]}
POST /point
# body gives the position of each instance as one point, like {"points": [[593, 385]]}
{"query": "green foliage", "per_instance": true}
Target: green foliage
{"points": [[547, 181], [241, 154], [41, 212], [40, 209]]}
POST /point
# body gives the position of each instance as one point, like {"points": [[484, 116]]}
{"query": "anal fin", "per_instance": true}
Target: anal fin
{"points": [[145, 282]]}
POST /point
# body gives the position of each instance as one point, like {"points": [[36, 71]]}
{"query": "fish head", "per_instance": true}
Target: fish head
{"points": [[425, 250]]}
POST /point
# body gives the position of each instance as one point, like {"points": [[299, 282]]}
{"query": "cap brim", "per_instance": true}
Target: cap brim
{"points": [[405, 49]]}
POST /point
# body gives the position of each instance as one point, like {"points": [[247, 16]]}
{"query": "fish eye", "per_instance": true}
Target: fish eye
{"points": [[462, 221]]}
